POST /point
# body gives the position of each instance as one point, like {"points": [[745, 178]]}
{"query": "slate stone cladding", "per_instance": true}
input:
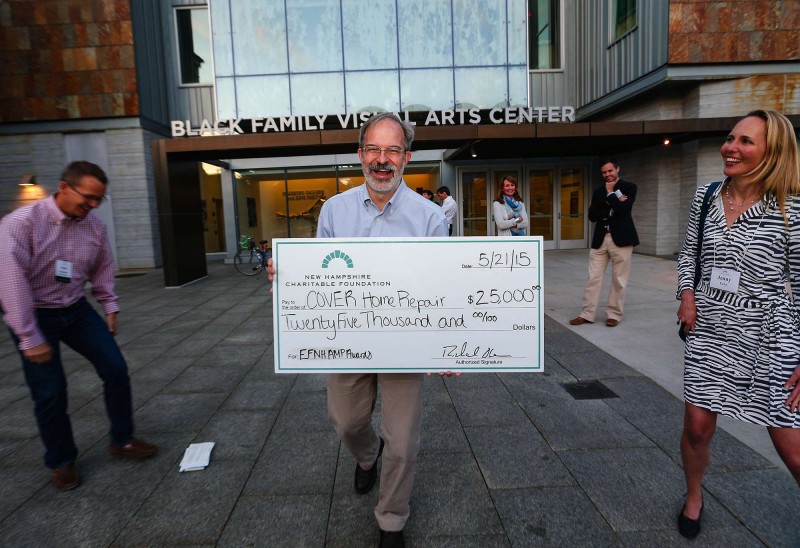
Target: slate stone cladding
{"points": [[66, 59]]}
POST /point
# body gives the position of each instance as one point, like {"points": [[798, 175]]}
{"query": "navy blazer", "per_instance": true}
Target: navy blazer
{"points": [[623, 232]]}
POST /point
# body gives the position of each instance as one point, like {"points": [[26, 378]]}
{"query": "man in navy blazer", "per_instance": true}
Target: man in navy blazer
{"points": [[614, 238]]}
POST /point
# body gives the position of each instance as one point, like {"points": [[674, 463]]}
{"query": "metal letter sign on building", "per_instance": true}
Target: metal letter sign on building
{"points": [[510, 115]]}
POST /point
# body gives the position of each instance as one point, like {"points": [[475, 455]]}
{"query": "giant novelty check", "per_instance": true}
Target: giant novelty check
{"points": [[401, 305]]}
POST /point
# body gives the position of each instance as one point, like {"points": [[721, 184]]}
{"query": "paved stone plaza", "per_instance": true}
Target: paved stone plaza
{"points": [[506, 459]]}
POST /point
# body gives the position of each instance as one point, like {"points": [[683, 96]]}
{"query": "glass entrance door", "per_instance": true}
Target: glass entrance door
{"points": [[542, 183], [571, 209], [555, 199], [475, 204]]}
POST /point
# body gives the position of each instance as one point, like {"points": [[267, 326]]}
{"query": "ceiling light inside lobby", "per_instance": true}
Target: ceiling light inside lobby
{"points": [[211, 169]]}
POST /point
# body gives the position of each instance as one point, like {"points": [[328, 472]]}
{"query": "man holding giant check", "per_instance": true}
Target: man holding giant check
{"points": [[383, 206]]}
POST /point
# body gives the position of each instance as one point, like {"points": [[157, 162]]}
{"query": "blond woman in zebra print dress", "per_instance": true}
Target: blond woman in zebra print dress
{"points": [[742, 356]]}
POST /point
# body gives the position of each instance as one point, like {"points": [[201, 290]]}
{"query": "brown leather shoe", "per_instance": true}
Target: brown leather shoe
{"points": [[135, 449], [65, 478], [580, 320], [611, 322]]}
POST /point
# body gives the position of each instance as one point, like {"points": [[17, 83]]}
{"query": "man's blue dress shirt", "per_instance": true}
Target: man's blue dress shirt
{"points": [[352, 214]]}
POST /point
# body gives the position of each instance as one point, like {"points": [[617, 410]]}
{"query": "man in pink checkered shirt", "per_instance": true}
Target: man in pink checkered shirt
{"points": [[48, 251]]}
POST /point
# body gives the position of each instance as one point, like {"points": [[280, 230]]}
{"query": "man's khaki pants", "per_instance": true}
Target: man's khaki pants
{"points": [[620, 269], [351, 400]]}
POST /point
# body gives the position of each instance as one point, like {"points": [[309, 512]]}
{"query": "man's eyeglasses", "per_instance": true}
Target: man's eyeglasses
{"points": [[88, 197], [391, 152]]}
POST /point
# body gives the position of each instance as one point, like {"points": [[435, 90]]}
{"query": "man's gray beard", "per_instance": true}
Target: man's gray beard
{"points": [[380, 187]]}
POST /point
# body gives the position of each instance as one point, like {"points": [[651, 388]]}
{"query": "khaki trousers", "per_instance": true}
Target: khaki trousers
{"points": [[620, 269], [351, 400]]}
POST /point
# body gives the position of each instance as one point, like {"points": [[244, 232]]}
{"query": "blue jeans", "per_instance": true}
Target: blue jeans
{"points": [[83, 330]]}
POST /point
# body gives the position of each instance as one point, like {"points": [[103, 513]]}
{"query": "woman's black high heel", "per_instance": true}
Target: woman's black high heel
{"points": [[690, 528]]}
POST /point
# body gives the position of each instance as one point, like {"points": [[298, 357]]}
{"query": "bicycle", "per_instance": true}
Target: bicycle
{"points": [[251, 258]]}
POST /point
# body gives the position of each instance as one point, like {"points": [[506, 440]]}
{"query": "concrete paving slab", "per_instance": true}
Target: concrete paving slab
{"points": [[579, 424], [242, 355], [552, 516], [622, 485], [482, 400], [71, 519], [18, 485], [289, 520], [160, 369], [27, 453], [253, 393], [178, 412], [238, 435], [197, 379], [516, 457], [304, 412], [187, 508], [298, 462], [763, 499], [450, 498], [732, 536], [442, 431]]}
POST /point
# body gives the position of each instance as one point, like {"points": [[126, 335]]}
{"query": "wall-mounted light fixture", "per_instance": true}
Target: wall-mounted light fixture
{"points": [[666, 141], [472, 151], [29, 179]]}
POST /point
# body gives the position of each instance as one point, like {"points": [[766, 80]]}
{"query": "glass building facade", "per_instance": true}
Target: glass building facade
{"points": [[306, 57]]}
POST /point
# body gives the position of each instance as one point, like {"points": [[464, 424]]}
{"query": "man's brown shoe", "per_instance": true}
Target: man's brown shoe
{"points": [[135, 449], [611, 322], [580, 320], [65, 478]]}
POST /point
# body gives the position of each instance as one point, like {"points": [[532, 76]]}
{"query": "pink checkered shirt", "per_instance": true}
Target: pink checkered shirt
{"points": [[32, 239]]}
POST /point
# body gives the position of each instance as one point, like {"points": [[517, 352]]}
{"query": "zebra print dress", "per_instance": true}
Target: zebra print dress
{"points": [[745, 344]]}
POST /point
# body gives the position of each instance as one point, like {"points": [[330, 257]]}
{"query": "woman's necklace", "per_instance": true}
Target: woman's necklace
{"points": [[731, 203]]}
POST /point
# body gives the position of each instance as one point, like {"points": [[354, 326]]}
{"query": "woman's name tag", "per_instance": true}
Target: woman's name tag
{"points": [[725, 279]]}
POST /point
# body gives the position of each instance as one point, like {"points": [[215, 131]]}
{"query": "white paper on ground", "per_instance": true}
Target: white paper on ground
{"points": [[196, 456]]}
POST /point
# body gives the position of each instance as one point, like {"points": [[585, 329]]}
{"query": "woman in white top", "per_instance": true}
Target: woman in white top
{"points": [[508, 210]]}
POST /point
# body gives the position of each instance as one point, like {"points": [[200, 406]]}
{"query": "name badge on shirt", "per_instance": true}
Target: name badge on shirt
{"points": [[63, 271], [725, 279]]}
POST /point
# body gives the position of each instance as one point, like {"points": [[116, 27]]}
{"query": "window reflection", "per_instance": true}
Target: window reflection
{"points": [[315, 36], [317, 93], [427, 89], [263, 96], [544, 34], [194, 45], [481, 36], [372, 91], [516, 31], [259, 37], [225, 90], [425, 28], [624, 17], [361, 49], [485, 87]]}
